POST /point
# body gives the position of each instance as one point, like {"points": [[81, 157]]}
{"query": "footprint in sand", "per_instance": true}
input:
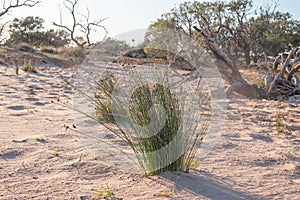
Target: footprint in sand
{"points": [[10, 154], [16, 107]]}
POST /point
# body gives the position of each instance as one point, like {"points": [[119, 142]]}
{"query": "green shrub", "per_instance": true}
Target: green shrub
{"points": [[143, 142], [142, 100]]}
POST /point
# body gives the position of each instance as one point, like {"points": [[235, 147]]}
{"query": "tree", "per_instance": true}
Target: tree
{"points": [[226, 26], [227, 21], [285, 83], [271, 31], [242, 37], [114, 46], [78, 26], [30, 30], [56, 38], [184, 16], [27, 30]]}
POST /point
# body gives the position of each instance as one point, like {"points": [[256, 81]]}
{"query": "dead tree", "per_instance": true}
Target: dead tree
{"points": [[78, 25], [229, 70], [89, 26], [285, 83]]}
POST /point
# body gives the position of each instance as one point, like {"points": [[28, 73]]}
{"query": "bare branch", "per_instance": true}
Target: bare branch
{"points": [[2, 27], [85, 27], [61, 26], [284, 69], [293, 71], [16, 4], [285, 65], [296, 68]]}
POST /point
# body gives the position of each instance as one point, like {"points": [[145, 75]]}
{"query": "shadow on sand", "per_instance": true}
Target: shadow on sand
{"points": [[206, 185]]}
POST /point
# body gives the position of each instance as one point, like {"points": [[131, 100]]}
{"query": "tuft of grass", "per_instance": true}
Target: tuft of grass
{"points": [[17, 65], [194, 163], [40, 139], [167, 193], [32, 110], [143, 142], [106, 193], [28, 67], [105, 87], [72, 53], [279, 122], [142, 100]]}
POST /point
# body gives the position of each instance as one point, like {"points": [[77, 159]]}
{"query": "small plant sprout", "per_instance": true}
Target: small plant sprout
{"points": [[168, 193], [32, 110], [279, 122], [40, 139], [103, 193], [194, 163], [16, 61], [28, 67]]}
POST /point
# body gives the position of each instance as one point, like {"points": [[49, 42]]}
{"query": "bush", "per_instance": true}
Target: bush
{"points": [[143, 114], [136, 53], [49, 50], [73, 53], [156, 53], [26, 48], [141, 102], [113, 46]]}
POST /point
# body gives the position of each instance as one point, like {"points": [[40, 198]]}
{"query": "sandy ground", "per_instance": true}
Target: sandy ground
{"points": [[250, 161]]}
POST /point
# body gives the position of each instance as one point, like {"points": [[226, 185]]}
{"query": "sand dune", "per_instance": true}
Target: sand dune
{"points": [[251, 160]]}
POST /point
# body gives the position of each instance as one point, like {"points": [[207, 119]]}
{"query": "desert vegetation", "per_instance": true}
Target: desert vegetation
{"points": [[238, 39], [144, 118], [163, 122]]}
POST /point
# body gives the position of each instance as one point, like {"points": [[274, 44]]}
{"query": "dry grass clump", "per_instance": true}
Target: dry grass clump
{"points": [[48, 50], [75, 53]]}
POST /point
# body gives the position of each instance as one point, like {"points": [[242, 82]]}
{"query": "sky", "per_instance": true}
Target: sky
{"points": [[122, 15]]}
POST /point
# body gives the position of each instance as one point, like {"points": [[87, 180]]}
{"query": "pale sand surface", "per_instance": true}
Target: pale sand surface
{"points": [[251, 160]]}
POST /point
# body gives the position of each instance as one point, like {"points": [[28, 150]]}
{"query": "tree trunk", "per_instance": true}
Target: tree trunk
{"points": [[230, 72], [247, 56]]}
